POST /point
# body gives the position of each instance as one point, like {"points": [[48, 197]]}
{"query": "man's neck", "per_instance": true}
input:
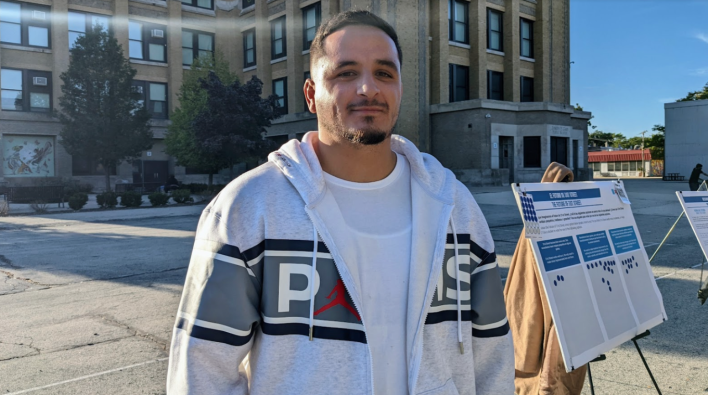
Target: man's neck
{"points": [[355, 163]]}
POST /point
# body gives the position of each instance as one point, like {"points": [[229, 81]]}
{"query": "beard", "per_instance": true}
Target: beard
{"points": [[368, 135]]}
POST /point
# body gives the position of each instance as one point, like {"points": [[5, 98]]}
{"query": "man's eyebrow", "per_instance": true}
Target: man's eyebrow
{"points": [[380, 62], [387, 63]]}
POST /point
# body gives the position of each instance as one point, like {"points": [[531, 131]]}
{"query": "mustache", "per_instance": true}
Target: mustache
{"points": [[373, 103]]}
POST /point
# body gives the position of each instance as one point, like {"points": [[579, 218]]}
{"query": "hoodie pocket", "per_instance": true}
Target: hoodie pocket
{"points": [[448, 388]]}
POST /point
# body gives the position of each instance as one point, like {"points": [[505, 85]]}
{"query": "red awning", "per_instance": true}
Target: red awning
{"points": [[618, 156]]}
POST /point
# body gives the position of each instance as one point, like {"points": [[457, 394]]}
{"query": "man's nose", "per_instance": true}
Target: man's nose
{"points": [[367, 86]]}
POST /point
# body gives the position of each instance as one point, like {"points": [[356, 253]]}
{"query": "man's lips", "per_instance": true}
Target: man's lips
{"points": [[367, 109]]}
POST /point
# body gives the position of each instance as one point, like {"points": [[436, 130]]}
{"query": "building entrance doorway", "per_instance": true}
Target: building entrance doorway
{"points": [[506, 155]]}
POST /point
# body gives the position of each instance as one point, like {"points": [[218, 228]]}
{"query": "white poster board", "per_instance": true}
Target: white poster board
{"points": [[695, 205], [593, 266]]}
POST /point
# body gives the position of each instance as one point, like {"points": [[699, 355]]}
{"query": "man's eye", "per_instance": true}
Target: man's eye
{"points": [[385, 74], [346, 74]]}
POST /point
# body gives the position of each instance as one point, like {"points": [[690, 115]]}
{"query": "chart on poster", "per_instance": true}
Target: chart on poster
{"points": [[593, 266], [695, 205]]}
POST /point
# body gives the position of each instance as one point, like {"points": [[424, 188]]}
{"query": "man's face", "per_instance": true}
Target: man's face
{"points": [[357, 91]]}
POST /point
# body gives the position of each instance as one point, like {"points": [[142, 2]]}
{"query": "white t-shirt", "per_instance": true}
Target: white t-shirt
{"points": [[378, 215]]}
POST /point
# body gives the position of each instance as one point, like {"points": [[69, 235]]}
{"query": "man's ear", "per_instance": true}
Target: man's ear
{"points": [[309, 91]]}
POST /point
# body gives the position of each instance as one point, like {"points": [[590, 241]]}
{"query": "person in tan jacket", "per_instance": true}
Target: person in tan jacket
{"points": [[538, 361]]}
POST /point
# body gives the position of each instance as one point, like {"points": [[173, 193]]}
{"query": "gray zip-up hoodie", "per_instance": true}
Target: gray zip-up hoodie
{"points": [[270, 307]]}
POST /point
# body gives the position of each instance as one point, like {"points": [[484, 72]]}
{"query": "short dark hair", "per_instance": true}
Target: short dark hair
{"points": [[350, 18]]}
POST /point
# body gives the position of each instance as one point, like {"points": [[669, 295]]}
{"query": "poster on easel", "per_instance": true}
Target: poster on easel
{"points": [[593, 265], [695, 206]]}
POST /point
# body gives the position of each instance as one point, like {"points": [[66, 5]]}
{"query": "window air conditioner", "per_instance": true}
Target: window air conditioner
{"points": [[41, 15], [158, 33], [41, 81]]}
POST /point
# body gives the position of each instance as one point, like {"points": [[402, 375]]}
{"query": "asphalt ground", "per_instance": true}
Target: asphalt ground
{"points": [[87, 300]]}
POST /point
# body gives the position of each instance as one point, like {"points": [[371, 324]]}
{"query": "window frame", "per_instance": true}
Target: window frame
{"points": [[529, 39], [147, 102], [318, 20], [88, 23], [452, 22], [273, 55], [491, 11], [490, 90], [147, 39], [246, 49], [525, 95], [28, 87], [528, 141], [89, 164], [195, 3], [26, 22], [454, 71], [195, 44], [284, 109], [247, 3]]}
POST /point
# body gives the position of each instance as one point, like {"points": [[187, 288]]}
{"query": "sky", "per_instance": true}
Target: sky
{"points": [[632, 56]]}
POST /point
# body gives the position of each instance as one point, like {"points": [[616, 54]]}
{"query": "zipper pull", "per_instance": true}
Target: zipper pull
{"points": [[310, 333], [462, 348]]}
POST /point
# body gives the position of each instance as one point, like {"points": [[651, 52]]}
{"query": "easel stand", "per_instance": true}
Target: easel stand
{"points": [[602, 358]]}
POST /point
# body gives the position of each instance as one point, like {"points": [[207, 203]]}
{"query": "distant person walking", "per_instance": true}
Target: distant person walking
{"points": [[695, 181]]}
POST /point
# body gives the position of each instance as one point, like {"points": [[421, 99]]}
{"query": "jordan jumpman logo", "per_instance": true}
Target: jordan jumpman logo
{"points": [[339, 299]]}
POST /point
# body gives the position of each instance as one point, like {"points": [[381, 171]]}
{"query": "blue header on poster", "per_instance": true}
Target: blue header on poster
{"points": [[624, 239], [594, 245], [548, 196], [558, 253], [695, 199]]}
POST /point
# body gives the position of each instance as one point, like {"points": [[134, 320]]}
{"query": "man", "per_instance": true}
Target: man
{"points": [[694, 180], [350, 263]]}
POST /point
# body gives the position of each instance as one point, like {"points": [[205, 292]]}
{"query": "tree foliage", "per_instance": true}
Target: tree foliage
{"points": [[697, 95], [180, 139], [101, 115], [232, 125]]}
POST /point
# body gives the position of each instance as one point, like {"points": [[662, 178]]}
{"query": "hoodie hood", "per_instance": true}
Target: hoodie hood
{"points": [[555, 172], [299, 162]]}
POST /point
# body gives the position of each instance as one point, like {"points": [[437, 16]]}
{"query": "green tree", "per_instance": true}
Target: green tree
{"points": [[697, 95], [616, 140], [656, 142], [231, 127], [101, 115], [590, 125], [180, 139]]}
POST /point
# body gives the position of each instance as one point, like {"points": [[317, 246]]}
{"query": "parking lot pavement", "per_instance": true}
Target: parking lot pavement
{"points": [[88, 299]]}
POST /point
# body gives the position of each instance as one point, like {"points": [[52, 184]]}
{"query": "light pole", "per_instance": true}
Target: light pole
{"points": [[643, 167]]}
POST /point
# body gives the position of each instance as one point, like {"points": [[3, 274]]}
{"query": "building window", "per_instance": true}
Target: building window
{"points": [[79, 23], [249, 48], [196, 44], [278, 39], [307, 76], [280, 89], [154, 96], [208, 4], [26, 90], [559, 150], [311, 16], [24, 24], [495, 85], [494, 30], [526, 89], [526, 38], [458, 21], [248, 3], [459, 83], [147, 41], [86, 167], [532, 151], [610, 166]]}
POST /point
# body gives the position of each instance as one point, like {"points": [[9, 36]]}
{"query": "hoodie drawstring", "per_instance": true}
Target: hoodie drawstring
{"points": [[312, 277], [457, 283]]}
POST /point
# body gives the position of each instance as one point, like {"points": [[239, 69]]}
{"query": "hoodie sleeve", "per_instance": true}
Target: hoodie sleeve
{"points": [[217, 316], [491, 339]]}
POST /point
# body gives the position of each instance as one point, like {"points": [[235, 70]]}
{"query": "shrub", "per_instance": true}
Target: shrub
{"points": [[131, 199], [181, 196], [107, 199], [158, 198], [196, 187], [77, 201], [39, 206]]}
